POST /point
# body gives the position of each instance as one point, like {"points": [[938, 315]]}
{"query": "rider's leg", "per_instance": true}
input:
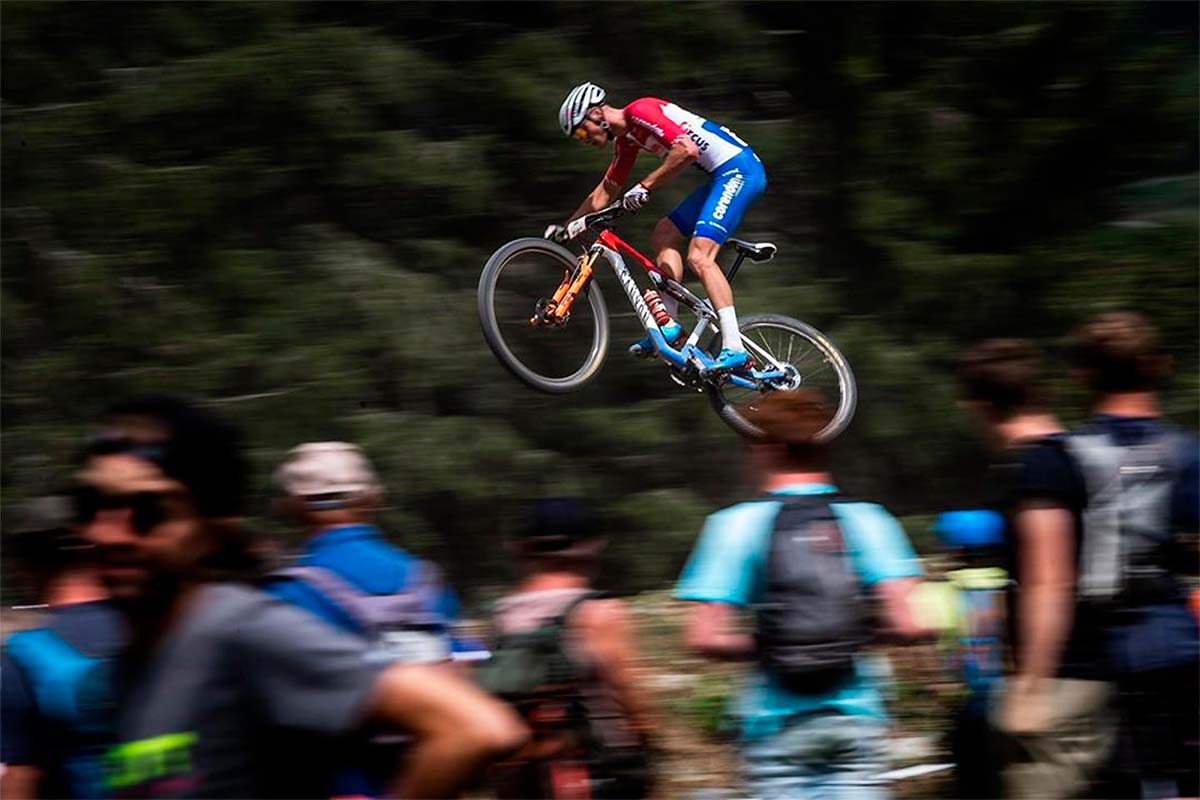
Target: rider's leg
{"points": [[702, 258], [666, 241], [733, 191]]}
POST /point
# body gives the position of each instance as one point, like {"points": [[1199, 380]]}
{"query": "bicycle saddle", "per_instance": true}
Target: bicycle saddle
{"points": [[758, 252]]}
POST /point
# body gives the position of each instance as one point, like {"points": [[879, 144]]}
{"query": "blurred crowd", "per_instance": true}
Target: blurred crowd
{"points": [[179, 655]]}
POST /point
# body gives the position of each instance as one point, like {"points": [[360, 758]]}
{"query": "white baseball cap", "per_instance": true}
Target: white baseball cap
{"points": [[327, 474]]}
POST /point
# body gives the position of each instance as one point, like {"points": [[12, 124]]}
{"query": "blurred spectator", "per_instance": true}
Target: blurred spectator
{"points": [[565, 657], [1138, 477], [973, 617], [350, 577], [1055, 714], [332, 492], [56, 679], [807, 561], [224, 691]]}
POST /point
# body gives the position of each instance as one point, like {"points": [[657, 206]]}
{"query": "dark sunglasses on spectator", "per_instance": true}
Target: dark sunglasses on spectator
{"points": [[148, 509]]}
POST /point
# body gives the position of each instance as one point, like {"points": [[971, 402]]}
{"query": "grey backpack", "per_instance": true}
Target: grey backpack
{"points": [[813, 617], [1126, 547], [401, 626]]}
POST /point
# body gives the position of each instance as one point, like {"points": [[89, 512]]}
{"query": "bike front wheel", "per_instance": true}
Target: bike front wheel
{"points": [[808, 357], [555, 358]]}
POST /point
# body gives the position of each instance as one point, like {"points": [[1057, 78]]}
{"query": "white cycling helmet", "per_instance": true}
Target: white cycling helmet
{"points": [[575, 107]]}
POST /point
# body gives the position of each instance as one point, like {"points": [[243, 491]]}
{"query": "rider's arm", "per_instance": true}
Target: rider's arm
{"points": [[710, 632], [681, 155], [601, 197]]}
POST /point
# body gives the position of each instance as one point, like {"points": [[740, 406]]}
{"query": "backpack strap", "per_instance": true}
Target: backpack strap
{"points": [[560, 621], [1099, 462], [334, 588]]}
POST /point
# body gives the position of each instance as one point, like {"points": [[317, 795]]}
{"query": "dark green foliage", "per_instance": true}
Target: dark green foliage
{"points": [[282, 209]]}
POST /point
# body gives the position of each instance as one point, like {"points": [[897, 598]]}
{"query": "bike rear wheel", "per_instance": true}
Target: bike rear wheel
{"points": [[809, 355], [550, 358]]}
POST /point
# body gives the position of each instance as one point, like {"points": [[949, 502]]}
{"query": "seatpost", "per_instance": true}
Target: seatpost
{"points": [[733, 270]]}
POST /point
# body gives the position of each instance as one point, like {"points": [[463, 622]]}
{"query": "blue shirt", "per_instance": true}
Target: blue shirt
{"points": [[359, 555], [729, 566], [28, 736]]}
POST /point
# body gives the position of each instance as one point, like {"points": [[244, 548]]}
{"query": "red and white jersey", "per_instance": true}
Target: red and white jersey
{"points": [[654, 125]]}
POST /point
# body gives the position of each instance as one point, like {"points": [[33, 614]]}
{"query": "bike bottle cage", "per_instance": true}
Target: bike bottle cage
{"points": [[758, 252]]}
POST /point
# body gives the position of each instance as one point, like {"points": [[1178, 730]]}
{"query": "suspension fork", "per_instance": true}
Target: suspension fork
{"points": [[573, 282]]}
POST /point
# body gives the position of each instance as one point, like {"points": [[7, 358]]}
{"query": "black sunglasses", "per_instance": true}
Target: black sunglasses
{"points": [[149, 509]]}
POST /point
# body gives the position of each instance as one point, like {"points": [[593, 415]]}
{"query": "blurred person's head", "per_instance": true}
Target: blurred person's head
{"points": [[790, 422], [1119, 352], [1002, 389], [160, 493], [560, 534], [1001, 378], [584, 116], [327, 484], [58, 563]]}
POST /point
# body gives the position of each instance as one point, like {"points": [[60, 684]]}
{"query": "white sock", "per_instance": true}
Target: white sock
{"points": [[731, 337], [670, 304]]}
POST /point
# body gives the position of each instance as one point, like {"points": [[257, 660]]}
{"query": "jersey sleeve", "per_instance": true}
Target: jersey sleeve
{"points": [[1047, 473], [625, 153], [730, 557], [879, 548], [646, 116]]}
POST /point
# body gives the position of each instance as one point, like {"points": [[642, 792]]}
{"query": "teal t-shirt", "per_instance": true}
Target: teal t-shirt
{"points": [[729, 566]]}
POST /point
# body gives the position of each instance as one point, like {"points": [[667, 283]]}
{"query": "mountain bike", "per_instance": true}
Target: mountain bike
{"points": [[544, 318]]}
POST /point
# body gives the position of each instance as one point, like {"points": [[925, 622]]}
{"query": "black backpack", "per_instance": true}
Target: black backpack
{"points": [[813, 617]]}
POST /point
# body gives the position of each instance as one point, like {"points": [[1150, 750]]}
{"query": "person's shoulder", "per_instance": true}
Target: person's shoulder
{"points": [[602, 613], [744, 516], [647, 112], [866, 518], [96, 628], [643, 105], [225, 601], [1053, 447]]}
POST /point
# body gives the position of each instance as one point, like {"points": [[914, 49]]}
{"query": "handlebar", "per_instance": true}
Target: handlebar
{"points": [[597, 219]]}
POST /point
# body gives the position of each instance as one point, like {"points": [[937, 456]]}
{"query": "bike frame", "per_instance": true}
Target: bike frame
{"points": [[611, 247]]}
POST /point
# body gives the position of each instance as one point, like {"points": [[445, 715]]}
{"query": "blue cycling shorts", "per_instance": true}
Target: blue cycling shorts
{"points": [[715, 209]]}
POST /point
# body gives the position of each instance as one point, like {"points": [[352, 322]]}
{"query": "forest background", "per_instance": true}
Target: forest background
{"points": [[282, 210]]}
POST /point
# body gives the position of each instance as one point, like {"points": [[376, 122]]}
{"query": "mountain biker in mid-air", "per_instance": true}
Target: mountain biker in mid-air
{"points": [[709, 215]]}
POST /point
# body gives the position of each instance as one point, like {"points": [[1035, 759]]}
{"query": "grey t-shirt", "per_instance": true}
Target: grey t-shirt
{"points": [[247, 697]]}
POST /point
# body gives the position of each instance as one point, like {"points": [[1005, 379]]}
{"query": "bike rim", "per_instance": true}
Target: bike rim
{"points": [[817, 363], [558, 355]]}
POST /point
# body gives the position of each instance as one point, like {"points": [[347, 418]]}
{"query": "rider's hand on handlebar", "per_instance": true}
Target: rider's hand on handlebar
{"points": [[635, 198], [556, 233]]}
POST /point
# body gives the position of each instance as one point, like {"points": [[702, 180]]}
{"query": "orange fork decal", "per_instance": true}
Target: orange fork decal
{"points": [[582, 276]]}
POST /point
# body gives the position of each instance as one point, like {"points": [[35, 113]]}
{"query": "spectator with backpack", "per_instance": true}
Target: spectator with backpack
{"points": [[349, 576], [223, 690], [1054, 717], [346, 573], [823, 575], [1137, 477], [564, 656], [55, 680]]}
